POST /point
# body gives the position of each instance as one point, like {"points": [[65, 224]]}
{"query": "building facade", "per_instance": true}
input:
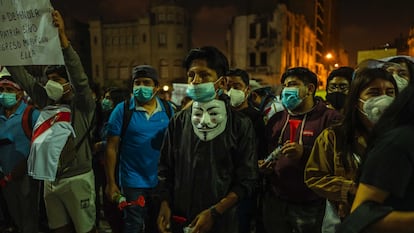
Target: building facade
{"points": [[323, 18], [267, 45], [410, 42], [160, 39]]}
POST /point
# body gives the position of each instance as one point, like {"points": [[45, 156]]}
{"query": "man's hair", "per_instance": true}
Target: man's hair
{"points": [[215, 59], [408, 62], [344, 71], [59, 69], [239, 72], [117, 94], [303, 73]]}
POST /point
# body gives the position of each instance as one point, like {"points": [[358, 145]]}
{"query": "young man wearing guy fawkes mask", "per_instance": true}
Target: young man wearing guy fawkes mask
{"points": [[68, 107], [208, 159], [289, 200]]}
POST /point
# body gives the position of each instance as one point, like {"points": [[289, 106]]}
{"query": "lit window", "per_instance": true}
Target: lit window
{"points": [[162, 40]]}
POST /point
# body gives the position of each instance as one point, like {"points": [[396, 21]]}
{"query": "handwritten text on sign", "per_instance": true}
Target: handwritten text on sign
{"points": [[27, 34]]}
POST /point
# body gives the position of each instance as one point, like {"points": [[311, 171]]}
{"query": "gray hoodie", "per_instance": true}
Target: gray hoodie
{"points": [[73, 162]]}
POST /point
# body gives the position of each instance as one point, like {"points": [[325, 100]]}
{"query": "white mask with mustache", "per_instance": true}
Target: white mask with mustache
{"points": [[209, 119]]}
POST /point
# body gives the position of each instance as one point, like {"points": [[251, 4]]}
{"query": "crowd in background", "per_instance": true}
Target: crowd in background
{"points": [[234, 156]]}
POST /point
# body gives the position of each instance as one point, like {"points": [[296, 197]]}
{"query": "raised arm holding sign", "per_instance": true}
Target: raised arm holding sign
{"points": [[69, 193], [27, 36]]}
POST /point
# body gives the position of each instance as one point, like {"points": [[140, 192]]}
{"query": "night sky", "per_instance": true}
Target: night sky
{"points": [[364, 23]]}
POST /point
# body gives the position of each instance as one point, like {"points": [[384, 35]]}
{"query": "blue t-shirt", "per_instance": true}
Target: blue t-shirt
{"points": [[15, 145], [140, 146]]}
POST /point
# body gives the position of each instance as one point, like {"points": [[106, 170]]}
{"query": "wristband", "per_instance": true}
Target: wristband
{"points": [[214, 213]]}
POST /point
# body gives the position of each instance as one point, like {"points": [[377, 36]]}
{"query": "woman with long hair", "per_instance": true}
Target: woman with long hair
{"points": [[384, 200], [337, 153]]}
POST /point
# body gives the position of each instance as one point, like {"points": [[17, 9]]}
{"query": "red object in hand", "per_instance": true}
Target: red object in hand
{"points": [[293, 125], [179, 219], [123, 204], [140, 201], [3, 183], [5, 180]]}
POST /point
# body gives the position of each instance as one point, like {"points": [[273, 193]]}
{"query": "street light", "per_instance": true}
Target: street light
{"points": [[329, 56]]}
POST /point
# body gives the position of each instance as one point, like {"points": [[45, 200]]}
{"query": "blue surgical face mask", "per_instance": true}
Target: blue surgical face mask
{"points": [[106, 105], [290, 97], [8, 99], [143, 94], [202, 92]]}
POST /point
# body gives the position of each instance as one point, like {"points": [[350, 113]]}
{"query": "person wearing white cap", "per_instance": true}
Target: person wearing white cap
{"points": [[264, 99], [19, 190], [404, 72]]}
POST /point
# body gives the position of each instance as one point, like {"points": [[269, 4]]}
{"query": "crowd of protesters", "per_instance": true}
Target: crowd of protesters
{"points": [[236, 156]]}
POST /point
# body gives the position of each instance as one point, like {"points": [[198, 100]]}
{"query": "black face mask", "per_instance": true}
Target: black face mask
{"points": [[337, 99]]}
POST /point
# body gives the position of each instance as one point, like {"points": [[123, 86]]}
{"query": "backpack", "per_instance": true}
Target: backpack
{"points": [[128, 114], [27, 120]]}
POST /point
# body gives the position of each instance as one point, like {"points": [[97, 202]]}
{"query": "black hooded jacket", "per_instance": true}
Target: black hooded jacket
{"points": [[195, 175]]}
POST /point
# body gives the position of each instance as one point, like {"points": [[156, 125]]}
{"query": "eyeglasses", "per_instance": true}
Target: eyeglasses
{"points": [[338, 87]]}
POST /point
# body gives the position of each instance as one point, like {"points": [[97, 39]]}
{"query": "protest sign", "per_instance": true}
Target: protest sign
{"points": [[178, 93], [27, 34]]}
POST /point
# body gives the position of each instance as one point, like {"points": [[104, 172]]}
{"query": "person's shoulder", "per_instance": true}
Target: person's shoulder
{"points": [[182, 114], [321, 105], [402, 134], [323, 109], [118, 111], [120, 106], [167, 106], [237, 115], [252, 112], [277, 117], [35, 110], [328, 134]]}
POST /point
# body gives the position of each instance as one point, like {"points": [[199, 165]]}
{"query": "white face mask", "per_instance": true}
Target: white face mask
{"points": [[374, 107], [209, 119], [54, 90], [401, 82], [237, 97]]}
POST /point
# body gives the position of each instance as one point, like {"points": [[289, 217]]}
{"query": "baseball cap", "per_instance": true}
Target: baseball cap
{"points": [[4, 72], [254, 85], [7, 80]]}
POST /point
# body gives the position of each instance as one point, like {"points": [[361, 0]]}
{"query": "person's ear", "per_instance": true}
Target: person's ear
{"points": [[254, 96], [222, 83], [311, 88], [19, 95], [247, 90], [156, 88]]}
